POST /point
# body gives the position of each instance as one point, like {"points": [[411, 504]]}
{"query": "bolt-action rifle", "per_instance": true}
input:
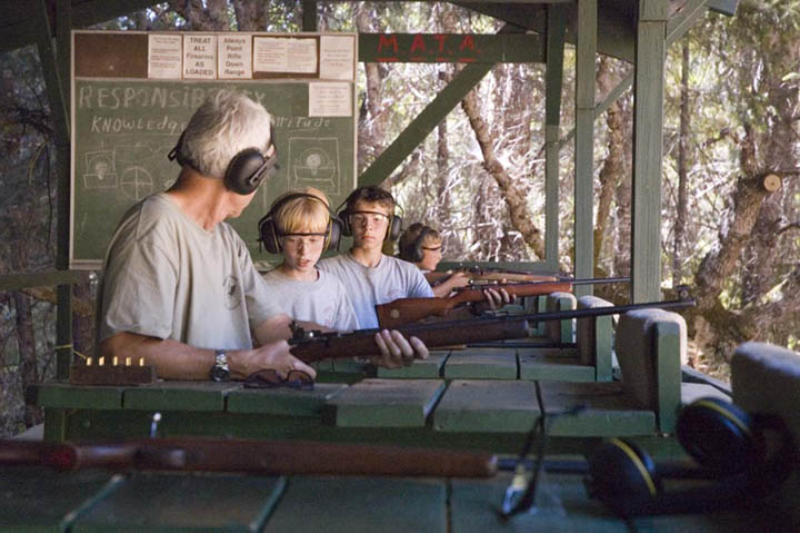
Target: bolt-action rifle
{"points": [[248, 456], [405, 310], [311, 346], [480, 276]]}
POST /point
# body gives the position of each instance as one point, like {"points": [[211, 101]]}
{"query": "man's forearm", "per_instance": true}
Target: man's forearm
{"points": [[171, 359]]}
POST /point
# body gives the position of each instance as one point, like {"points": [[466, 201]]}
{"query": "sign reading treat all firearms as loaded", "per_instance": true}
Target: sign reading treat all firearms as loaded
{"points": [[133, 94]]}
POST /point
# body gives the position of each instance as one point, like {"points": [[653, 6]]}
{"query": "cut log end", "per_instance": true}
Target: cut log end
{"points": [[771, 182]]}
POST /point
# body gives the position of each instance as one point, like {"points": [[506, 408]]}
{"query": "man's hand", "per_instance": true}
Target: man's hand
{"points": [[274, 355], [396, 351]]}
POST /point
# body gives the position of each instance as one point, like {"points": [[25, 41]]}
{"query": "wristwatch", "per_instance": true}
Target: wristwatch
{"points": [[220, 371]]}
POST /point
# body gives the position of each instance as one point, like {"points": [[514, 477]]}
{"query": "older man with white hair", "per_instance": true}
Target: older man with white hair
{"points": [[179, 286]]}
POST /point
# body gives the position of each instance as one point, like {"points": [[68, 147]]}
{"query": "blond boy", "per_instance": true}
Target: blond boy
{"points": [[304, 230]]}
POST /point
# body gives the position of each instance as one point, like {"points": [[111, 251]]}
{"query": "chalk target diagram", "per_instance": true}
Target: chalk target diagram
{"points": [[125, 170], [314, 162]]}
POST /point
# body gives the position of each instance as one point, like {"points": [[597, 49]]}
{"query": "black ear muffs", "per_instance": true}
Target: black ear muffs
{"points": [[728, 444], [413, 251], [719, 436], [245, 171], [270, 236]]}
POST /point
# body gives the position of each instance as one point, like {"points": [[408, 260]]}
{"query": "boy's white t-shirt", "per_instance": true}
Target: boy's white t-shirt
{"points": [[323, 301], [367, 287]]}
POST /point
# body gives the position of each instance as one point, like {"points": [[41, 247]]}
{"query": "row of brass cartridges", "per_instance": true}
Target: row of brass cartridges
{"points": [[101, 361]]}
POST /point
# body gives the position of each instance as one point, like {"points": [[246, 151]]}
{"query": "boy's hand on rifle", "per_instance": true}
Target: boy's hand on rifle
{"points": [[497, 298], [396, 350]]}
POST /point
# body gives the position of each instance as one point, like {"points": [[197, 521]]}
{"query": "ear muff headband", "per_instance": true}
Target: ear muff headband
{"points": [[417, 252], [270, 235], [245, 171], [637, 462]]}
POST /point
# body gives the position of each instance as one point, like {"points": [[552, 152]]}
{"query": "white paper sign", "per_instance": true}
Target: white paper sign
{"points": [[164, 55], [235, 57], [330, 99], [199, 57], [272, 54], [337, 57]]}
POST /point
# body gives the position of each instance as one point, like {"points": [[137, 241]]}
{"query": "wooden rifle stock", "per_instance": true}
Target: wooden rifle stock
{"points": [[311, 346], [249, 456], [406, 310]]}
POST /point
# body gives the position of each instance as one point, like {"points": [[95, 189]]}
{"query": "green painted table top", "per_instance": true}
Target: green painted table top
{"points": [[37, 499], [384, 403]]}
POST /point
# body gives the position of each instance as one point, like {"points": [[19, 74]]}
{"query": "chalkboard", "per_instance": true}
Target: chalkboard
{"points": [[122, 130]]}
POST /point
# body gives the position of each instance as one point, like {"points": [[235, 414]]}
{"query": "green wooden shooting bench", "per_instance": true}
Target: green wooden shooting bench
{"points": [[479, 397]]}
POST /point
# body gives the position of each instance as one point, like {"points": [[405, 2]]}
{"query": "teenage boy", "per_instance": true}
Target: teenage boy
{"points": [[300, 226], [370, 276]]}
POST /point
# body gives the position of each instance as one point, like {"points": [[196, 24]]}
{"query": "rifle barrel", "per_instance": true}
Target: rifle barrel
{"points": [[250, 456], [361, 343]]}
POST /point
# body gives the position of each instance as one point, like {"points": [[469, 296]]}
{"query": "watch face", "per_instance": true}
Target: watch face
{"points": [[220, 373]]}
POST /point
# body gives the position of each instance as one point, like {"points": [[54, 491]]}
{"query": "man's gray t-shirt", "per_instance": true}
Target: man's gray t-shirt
{"points": [[323, 301], [370, 286], [167, 277]]}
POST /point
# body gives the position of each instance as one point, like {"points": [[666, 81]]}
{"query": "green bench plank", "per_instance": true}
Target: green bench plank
{"points": [[608, 412], [566, 351], [284, 400], [343, 371], [179, 396], [183, 502], [384, 403], [482, 363], [554, 367], [430, 368], [64, 395], [563, 506], [347, 505], [40, 499], [480, 405]]}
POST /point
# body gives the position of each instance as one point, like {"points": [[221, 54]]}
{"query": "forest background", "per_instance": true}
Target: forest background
{"points": [[731, 118]]}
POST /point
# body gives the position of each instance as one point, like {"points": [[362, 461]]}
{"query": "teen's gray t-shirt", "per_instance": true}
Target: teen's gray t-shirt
{"points": [[323, 301], [370, 286], [167, 277]]}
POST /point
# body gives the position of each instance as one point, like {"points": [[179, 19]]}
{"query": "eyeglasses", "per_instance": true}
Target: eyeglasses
{"points": [[368, 217], [271, 379]]}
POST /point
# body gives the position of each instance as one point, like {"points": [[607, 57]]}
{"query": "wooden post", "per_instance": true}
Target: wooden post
{"points": [[556, 23], [647, 139], [584, 142], [58, 107]]}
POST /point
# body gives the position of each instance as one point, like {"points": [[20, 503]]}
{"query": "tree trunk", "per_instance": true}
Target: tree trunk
{"points": [[514, 198], [614, 165], [683, 157]]}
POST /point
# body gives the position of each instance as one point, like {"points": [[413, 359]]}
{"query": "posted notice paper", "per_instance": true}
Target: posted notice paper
{"points": [[199, 57], [274, 54], [337, 55], [164, 56], [330, 99], [235, 55]]}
